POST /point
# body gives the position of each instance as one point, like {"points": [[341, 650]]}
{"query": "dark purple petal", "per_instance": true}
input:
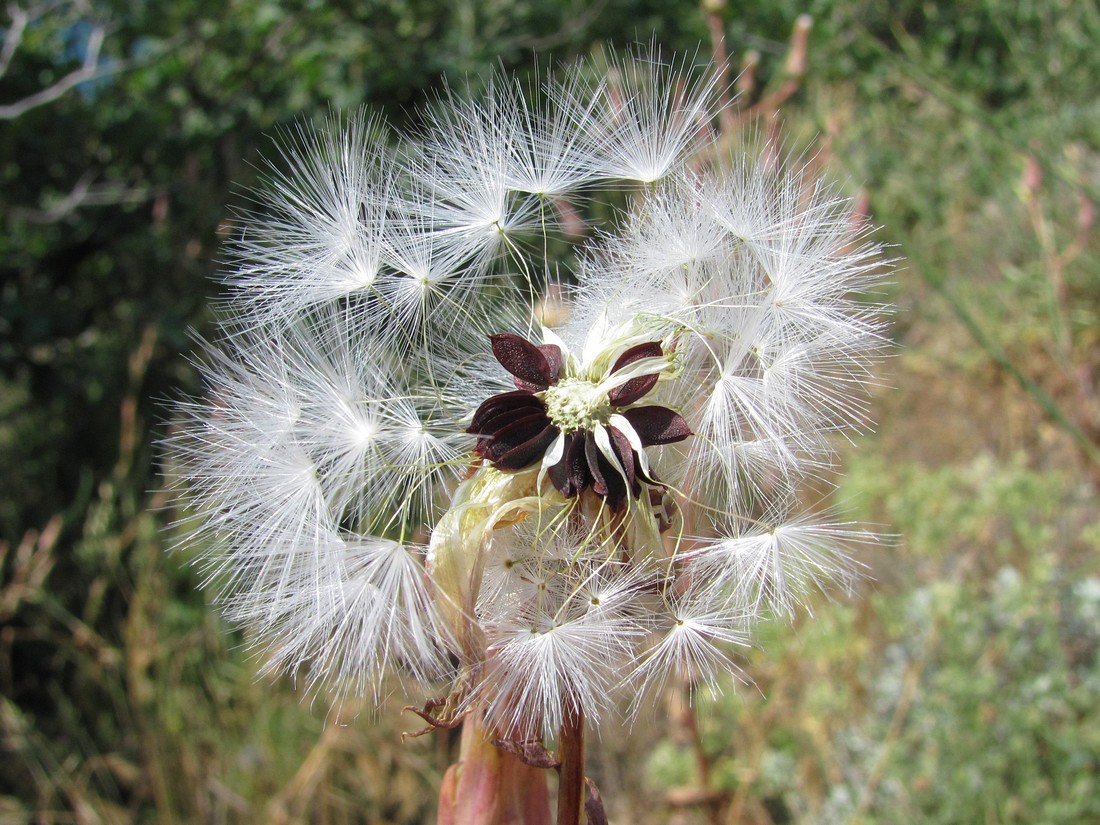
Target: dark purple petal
{"points": [[616, 487], [632, 390], [513, 434], [635, 388], [592, 456], [606, 480], [625, 454], [524, 360], [530, 451], [570, 475], [651, 349], [554, 359], [497, 422], [505, 402], [657, 425]]}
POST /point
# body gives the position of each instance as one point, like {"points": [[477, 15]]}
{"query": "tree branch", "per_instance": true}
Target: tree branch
{"points": [[88, 70], [13, 37], [85, 193]]}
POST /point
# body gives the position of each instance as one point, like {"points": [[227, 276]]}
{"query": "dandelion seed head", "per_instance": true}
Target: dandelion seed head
{"points": [[397, 473]]}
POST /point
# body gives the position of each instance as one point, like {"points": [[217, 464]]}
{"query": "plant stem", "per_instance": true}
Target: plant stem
{"points": [[571, 770], [490, 786]]}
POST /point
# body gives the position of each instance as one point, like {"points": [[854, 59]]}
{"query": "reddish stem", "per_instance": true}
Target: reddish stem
{"points": [[490, 786], [571, 770]]}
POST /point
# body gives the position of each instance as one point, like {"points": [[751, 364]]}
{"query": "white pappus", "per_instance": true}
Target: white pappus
{"points": [[400, 466]]}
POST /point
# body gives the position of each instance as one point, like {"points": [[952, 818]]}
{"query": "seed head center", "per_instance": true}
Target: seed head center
{"points": [[575, 404]]}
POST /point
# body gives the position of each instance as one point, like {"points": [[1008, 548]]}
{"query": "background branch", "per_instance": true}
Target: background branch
{"points": [[88, 70]]}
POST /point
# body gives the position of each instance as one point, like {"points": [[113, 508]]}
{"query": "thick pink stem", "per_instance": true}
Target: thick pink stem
{"points": [[526, 794], [489, 786], [447, 792]]}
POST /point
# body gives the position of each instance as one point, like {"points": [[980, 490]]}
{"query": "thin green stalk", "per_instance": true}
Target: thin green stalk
{"points": [[1050, 407]]}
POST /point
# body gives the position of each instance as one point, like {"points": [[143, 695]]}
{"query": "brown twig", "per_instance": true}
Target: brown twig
{"points": [[794, 71], [727, 122], [435, 722], [1055, 262]]}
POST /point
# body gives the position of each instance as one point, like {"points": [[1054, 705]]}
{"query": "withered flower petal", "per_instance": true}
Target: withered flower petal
{"points": [[530, 365], [515, 432], [527, 453], [635, 388], [570, 475], [516, 402], [554, 359], [592, 455], [624, 453], [657, 425]]}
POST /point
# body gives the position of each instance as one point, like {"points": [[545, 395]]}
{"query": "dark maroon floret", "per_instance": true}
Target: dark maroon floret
{"points": [[624, 454], [534, 368], [570, 474], [515, 403], [635, 388], [515, 431], [657, 425], [528, 452], [603, 483]]}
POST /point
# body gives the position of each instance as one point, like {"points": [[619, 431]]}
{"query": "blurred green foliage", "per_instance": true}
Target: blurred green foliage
{"points": [[963, 687]]}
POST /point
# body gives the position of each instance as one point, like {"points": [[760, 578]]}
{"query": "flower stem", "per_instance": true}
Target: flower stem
{"points": [[490, 786], [571, 770]]}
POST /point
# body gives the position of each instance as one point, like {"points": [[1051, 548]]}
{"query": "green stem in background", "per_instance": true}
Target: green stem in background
{"points": [[938, 282], [571, 770]]}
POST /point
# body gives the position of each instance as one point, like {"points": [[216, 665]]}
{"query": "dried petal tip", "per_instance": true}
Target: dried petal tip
{"points": [[635, 388], [658, 425], [534, 368]]}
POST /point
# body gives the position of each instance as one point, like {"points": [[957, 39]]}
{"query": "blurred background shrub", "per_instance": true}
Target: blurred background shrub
{"points": [[963, 685]]}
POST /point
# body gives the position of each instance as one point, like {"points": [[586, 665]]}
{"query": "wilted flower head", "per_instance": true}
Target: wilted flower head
{"points": [[402, 466]]}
